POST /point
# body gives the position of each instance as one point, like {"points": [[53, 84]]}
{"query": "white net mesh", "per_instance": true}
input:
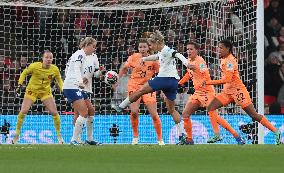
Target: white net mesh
{"points": [[30, 27]]}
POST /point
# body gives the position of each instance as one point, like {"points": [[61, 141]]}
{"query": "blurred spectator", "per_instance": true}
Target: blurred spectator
{"points": [[272, 27], [280, 97], [278, 54], [272, 79], [279, 39], [274, 10]]}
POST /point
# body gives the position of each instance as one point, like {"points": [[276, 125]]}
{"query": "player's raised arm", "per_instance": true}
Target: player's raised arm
{"points": [[128, 64], [151, 58], [180, 57], [226, 77], [184, 79]]}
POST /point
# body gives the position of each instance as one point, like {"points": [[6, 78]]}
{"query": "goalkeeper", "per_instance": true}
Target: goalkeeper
{"points": [[42, 74]]}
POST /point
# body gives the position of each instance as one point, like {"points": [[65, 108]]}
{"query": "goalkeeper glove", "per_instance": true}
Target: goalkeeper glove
{"points": [[19, 91]]}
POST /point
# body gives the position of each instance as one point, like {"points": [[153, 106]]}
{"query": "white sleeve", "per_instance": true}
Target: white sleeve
{"points": [[97, 72], [182, 58], [151, 58], [77, 69]]}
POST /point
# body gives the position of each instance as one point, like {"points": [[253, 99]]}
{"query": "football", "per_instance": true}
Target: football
{"points": [[111, 77]]}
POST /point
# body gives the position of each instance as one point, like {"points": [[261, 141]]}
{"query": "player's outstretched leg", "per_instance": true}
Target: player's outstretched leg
{"points": [[263, 120]]}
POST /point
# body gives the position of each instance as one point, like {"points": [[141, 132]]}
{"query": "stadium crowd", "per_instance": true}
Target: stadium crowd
{"points": [[28, 31], [274, 56]]}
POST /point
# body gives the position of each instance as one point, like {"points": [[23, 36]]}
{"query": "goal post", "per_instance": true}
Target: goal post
{"points": [[260, 66], [29, 27]]}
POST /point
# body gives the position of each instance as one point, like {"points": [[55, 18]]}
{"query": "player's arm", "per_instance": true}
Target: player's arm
{"points": [[99, 70], [58, 79], [151, 58], [180, 57], [122, 71], [226, 78], [125, 67], [77, 69], [227, 74], [184, 79], [25, 73]]}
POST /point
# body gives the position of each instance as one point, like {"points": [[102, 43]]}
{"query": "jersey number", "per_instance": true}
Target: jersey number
{"points": [[240, 97], [90, 69]]}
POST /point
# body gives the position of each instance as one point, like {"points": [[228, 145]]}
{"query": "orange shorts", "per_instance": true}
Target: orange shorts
{"points": [[239, 96], [202, 98], [149, 98]]}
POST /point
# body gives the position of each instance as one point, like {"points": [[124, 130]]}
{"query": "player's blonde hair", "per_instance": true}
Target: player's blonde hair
{"points": [[156, 37], [86, 42]]}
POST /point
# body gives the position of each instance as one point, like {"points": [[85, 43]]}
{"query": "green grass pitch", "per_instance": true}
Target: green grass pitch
{"points": [[141, 158]]}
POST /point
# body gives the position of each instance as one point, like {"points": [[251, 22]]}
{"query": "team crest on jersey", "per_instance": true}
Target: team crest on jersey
{"points": [[49, 77], [79, 93], [230, 66], [202, 67]]}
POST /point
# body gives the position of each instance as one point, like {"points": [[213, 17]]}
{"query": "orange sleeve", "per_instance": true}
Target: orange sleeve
{"points": [[184, 79], [226, 78], [128, 63]]}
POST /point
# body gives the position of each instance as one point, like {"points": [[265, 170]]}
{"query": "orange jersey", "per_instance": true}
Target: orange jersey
{"points": [[141, 73], [230, 76], [199, 75]]}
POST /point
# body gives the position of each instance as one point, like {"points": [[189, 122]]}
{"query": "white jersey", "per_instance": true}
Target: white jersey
{"points": [[73, 70], [90, 66], [167, 63]]}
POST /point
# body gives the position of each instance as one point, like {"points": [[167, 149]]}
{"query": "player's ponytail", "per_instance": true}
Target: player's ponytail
{"points": [[156, 37], [228, 44], [86, 42]]}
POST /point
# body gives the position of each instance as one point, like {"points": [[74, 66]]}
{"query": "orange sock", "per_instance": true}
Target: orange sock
{"points": [[134, 123], [226, 126], [267, 124], [188, 127], [213, 120], [158, 127]]}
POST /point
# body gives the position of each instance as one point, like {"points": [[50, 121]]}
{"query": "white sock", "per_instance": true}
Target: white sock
{"points": [[78, 127], [89, 126], [179, 128], [125, 103]]}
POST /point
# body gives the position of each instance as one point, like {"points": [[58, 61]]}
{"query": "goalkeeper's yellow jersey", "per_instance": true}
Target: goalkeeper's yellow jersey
{"points": [[41, 78]]}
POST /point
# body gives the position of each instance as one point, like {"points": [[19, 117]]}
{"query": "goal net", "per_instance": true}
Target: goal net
{"points": [[30, 27]]}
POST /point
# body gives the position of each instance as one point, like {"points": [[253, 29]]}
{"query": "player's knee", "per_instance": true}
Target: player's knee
{"points": [[134, 113], [53, 112], [185, 114], [83, 113], [24, 110], [171, 110], [91, 112]]}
